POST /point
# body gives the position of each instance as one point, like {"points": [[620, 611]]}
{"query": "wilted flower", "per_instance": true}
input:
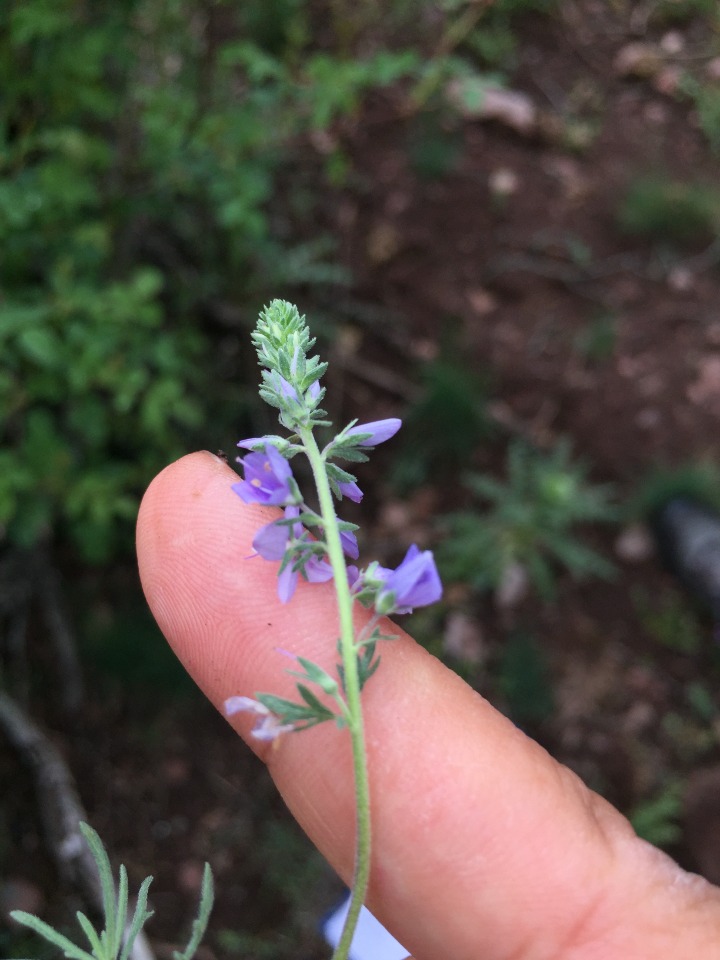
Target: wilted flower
{"points": [[267, 478], [268, 725]]}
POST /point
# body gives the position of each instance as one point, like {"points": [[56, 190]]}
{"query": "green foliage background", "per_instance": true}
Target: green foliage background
{"points": [[140, 144]]}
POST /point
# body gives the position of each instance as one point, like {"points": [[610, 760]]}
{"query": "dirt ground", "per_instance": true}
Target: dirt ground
{"points": [[585, 331]]}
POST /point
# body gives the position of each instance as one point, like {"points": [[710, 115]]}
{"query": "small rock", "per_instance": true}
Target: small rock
{"points": [[640, 717], [513, 586], [395, 516], [514, 109], [383, 242], [649, 418], [634, 545], [712, 69], [190, 874], [503, 182], [482, 301], [667, 80], [474, 100], [641, 60], [680, 279], [463, 638], [656, 113], [705, 390], [712, 333], [672, 43]]}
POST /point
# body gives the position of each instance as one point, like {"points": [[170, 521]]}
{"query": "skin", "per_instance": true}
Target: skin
{"points": [[485, 848]]}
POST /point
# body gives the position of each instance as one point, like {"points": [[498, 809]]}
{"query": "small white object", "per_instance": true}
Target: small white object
{"points": [[371, 940]]}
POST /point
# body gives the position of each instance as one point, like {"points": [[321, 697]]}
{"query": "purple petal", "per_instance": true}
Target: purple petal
{"points": [[349, 544], [271, 540], [279, 465], [318, 571], [270, 728], [287, 389], [241, 704], [351, 490], [416, 582], [379, 430], [267, 478], [287, 581]]}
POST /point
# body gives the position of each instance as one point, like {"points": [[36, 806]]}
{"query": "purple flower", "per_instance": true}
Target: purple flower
{"points": [[351, 490], [314, 569], [288, 390], [379, 430], [414, 583], [267, 478], [349, 544], [268, 725], [272, 539], [271, 542]]}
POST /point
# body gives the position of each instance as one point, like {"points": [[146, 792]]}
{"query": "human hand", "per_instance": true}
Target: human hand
{"points": [[484, 847]]}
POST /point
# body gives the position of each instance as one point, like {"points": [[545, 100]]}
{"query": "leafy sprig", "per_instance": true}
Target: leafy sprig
{"points": [[117, 938]]}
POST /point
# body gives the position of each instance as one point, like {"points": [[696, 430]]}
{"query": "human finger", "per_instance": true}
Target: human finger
{"points": [[483, 845]]}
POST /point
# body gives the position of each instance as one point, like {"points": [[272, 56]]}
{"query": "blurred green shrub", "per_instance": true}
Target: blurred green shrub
{"points": [[530, 520], [523, 679], [670, 621], [445, 424], [706, 98], [597, 341], [680, 11], [698, 480], [657, 818], [140, 147], [669, 211]]}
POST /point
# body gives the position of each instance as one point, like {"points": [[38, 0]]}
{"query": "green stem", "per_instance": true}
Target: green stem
{"points": [[352, 691]]}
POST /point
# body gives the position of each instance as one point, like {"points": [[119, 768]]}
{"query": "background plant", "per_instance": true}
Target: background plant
{"points": [[141, 145], [530, 518]]}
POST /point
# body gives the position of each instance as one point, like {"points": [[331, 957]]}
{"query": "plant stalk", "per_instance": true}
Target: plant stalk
{"points": [[352, 692]]}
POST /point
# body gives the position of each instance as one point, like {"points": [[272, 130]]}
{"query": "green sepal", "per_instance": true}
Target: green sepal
{"points": [[337, 474], [316, 674], [321, 711], [290, 712]]}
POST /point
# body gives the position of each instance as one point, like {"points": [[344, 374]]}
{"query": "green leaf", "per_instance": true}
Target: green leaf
{"points": [[51, 935], [42, 346], [207, 896]]}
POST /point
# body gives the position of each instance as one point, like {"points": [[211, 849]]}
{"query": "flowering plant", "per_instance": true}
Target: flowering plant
{"points": [[314, 545]]}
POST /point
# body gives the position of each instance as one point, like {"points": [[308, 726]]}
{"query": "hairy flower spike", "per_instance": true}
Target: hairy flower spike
{"points": [[314, 545]]}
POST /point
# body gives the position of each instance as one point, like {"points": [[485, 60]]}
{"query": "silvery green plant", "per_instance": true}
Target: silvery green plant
{"points": [[313, 545], [529, 519], [117, 938]]}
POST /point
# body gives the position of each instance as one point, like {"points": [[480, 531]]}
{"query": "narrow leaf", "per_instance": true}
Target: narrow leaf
{"points": [[207, 897], [140, 918], [51, 935]]}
